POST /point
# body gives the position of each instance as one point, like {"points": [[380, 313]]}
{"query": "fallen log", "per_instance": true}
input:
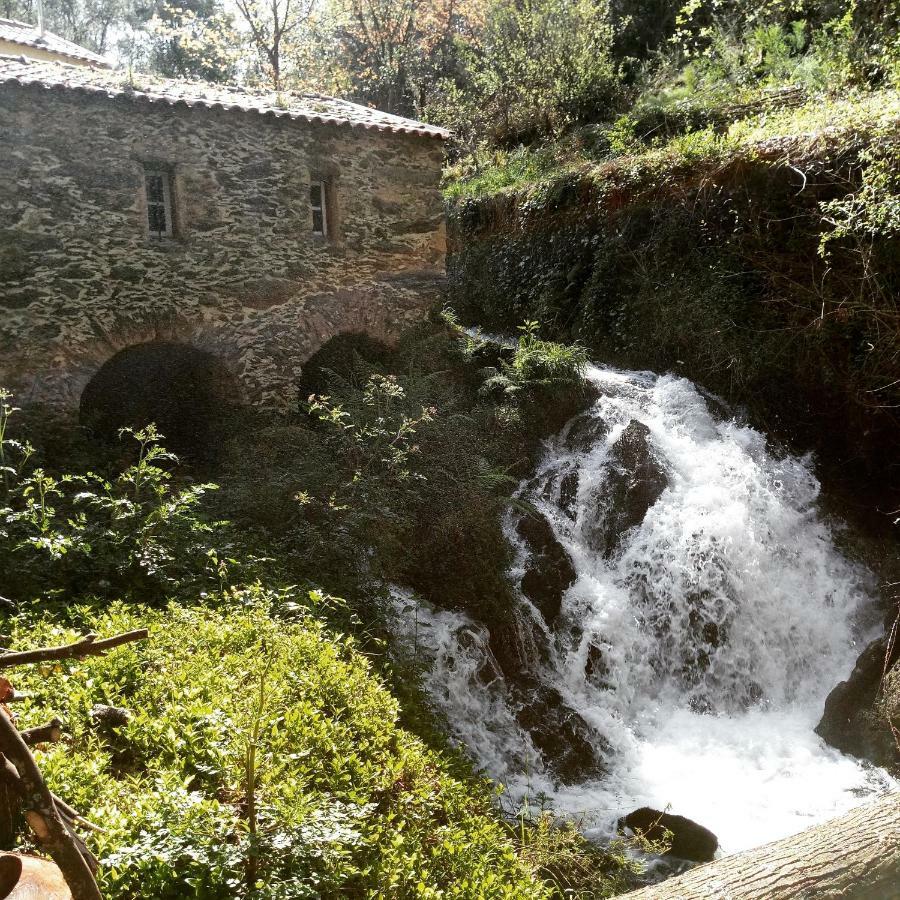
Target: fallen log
{"points": [[854, 857]]}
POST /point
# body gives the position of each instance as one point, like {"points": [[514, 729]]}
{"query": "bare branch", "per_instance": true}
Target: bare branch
{"points": [[87, 646], [44, 819]]}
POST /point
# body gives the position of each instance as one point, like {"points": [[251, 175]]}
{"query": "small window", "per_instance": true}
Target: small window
{"points": [[158, 187], [317, 203]]}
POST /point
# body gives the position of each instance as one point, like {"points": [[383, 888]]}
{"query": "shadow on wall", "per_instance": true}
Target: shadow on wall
{"points": [[187, 392]]}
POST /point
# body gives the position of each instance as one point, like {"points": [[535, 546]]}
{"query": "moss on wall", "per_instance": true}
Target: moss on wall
{"points": [[712, 271]]}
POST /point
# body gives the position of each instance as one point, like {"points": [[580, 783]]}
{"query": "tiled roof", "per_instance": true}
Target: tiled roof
{"points": [[30, 36], [151, 89]]}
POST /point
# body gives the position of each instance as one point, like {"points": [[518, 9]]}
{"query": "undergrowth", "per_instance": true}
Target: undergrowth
{"points": [[347, 803], [622, 153], [270, 747]]}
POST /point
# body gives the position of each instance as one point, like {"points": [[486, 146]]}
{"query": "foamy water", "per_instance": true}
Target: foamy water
{"points": [[732, 560]]}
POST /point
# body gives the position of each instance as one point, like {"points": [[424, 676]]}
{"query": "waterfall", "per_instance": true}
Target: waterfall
{"points": [[682, 615]]}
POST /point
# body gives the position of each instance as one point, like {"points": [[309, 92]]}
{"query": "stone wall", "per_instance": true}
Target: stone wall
{"points": [[244, 278]]}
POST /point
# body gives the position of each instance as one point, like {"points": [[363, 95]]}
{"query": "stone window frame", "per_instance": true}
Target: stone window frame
{"points": [[151, 168], [319, 209], [327, 176]]}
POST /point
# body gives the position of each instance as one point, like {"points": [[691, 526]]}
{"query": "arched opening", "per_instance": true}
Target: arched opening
{"points": [[339, 354], [187, 392]]}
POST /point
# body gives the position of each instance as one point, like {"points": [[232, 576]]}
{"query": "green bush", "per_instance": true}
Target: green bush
{"points": [[137, 534], [347, 804], [429, 440], [538, 67]]}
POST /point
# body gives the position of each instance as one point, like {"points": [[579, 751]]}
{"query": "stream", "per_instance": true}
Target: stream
{"points": [[682, 614]]}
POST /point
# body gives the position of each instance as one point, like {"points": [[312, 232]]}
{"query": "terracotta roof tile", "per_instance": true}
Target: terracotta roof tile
{"points": [[30, 36], [312, 108]]}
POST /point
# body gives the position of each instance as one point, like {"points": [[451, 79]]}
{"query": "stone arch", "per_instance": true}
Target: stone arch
{"points": [[338, 354], [188, 393]]}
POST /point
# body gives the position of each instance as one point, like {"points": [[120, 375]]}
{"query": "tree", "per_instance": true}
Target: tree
{"points": [[95, 24], [538, 67], [193, 39], [275, 28], [856, 856], [387, 53]]}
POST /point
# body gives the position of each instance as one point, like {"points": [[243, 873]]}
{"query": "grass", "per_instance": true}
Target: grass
{"points": [[821, 119]]}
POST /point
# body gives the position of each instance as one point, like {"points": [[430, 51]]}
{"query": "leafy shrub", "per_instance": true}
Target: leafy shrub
{"points": [[347, 804], [871, 212], [577, 868], [402, 464], [539, 67], [136, 534]]}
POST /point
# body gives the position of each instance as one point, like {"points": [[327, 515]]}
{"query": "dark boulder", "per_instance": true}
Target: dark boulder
{"points": [[635, 481], [566, 742], [850, 722], [561, 488], [518, 645], [596, 668], [549, 572], [568, 494], [584, 432], [689, 840]]}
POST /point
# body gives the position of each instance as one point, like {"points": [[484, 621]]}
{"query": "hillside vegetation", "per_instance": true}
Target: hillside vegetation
{"points": [[739, 224]]}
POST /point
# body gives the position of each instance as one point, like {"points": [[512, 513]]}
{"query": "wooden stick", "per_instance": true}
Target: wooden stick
{"points": [[18, 696], [10, 778], [87, 646], [43, 734], [44, 818]]}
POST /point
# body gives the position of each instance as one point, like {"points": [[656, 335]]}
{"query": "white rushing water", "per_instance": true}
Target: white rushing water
{"points": [[692, 653]]}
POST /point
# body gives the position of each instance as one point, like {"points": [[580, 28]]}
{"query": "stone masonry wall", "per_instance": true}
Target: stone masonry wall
{"points": [[244, 278]]}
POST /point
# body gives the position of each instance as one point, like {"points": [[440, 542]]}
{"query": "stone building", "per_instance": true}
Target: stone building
{"points": [[204, 222], [32, 41]]}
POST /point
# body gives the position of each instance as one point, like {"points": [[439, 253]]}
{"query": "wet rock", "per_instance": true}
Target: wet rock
{"points": [[596, 668], [634, 483], [568, 494], [585, 432], [518, 646], [550, 571], [561, 489], [707, 636], [566, 742], [489, 672], [689, 840], [850, 723]]}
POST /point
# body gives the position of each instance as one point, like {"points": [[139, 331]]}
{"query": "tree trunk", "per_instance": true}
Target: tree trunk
{"points": [[10, 816], [855, 857]]}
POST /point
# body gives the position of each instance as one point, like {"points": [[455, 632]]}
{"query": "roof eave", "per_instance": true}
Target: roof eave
{"points": [[97, 61], [134, 95]]}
